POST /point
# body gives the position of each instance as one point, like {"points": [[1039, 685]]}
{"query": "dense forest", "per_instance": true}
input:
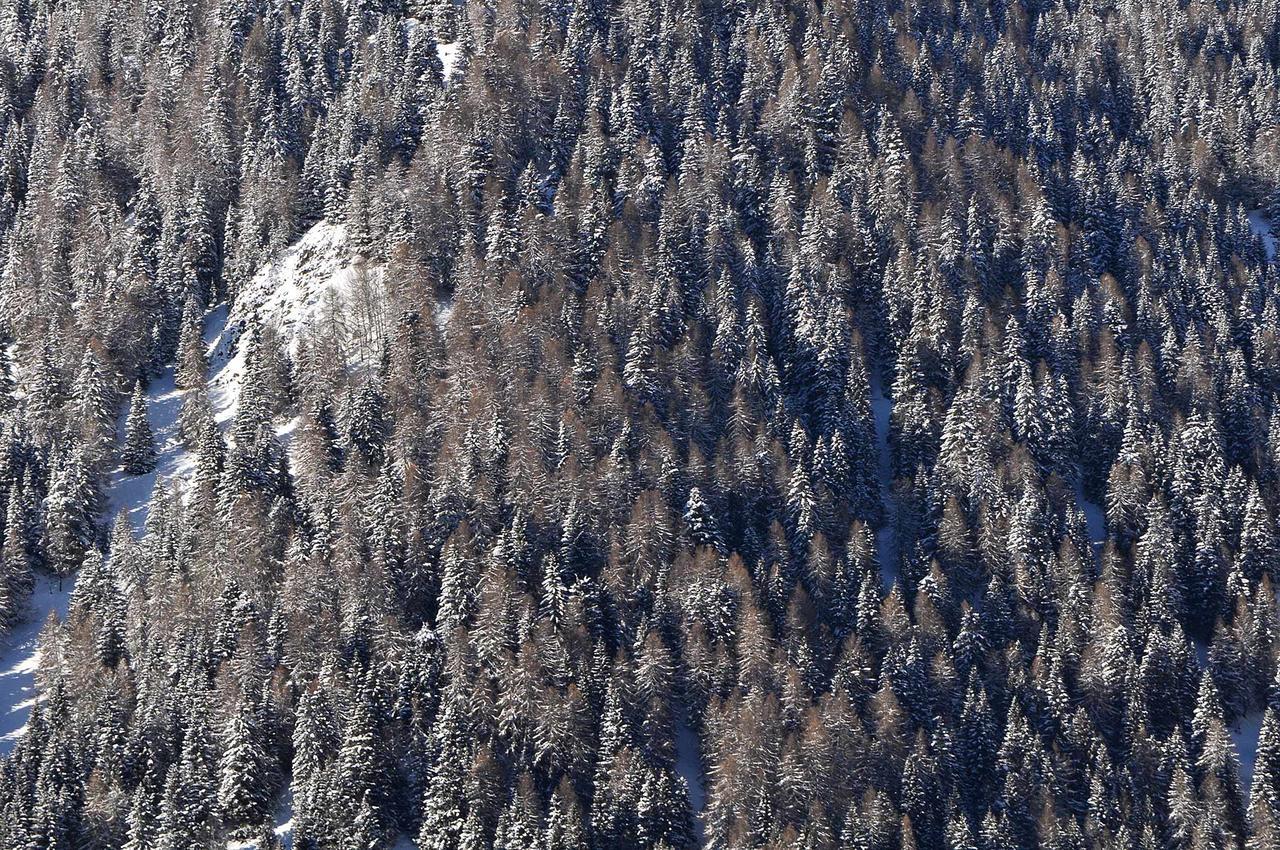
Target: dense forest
{"points": [[774, 424]]}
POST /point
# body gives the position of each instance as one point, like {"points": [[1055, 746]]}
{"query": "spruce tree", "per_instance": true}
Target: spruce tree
{"points": [[138, 456]]}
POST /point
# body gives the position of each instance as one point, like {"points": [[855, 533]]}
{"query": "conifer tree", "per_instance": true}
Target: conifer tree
{"points": [[138, 456]]}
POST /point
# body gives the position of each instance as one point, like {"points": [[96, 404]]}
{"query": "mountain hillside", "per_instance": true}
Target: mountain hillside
{"points": [[638, 425]]}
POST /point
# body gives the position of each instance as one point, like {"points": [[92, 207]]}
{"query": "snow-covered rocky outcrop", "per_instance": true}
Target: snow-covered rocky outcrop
{"points": [[320, 286]]}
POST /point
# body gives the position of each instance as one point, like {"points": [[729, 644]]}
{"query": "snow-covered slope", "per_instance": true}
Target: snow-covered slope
{"points": [[449, 52], [311, 281], [293, 291], [1244, 734], [317, 283], [20, 658], [689, 767], [128, 494], [283, 828], [1095, 520]]}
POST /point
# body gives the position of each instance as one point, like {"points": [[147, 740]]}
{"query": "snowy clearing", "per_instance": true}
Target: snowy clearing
{"points": [[448, 52], [1095, 520], [316, 282], [283, 828], [443, 312], [131, 494], [449, 55], [1263, 227], [293, 292]]}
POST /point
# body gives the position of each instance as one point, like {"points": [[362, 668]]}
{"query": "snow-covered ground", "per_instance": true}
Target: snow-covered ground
{"points": [[127, 494], [1095, 519], [443, 312], [689, 766], [20, 658], [1262, 226], [886, 537], [449, 52], [298, 289], [1245, 734], [131, 494], [449, 55]]}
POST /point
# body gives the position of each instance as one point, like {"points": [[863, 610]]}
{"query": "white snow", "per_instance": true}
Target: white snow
{"points": [[291, 292], [132, 493], [226, 364], [449, 54], [688, 766], [1244, 732], [1245, 736], [1202, 652], [318, 281], [886, 537], [1095, 520], [443, 312], [20, 658], [1262, 226], [285, 430]]}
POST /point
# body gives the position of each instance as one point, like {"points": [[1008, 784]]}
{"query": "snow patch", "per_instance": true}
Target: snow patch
{"points": [[1245, 734], [443, 312], [449, 57], [886, 537], [1095, 519], [1262, 226], [449, 52], [689, 767], [1202, 652], [283, 826], [293, 292], [131, 494]]}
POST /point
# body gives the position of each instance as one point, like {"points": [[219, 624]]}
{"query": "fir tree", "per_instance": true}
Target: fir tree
{"points": [[138, 456]]}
